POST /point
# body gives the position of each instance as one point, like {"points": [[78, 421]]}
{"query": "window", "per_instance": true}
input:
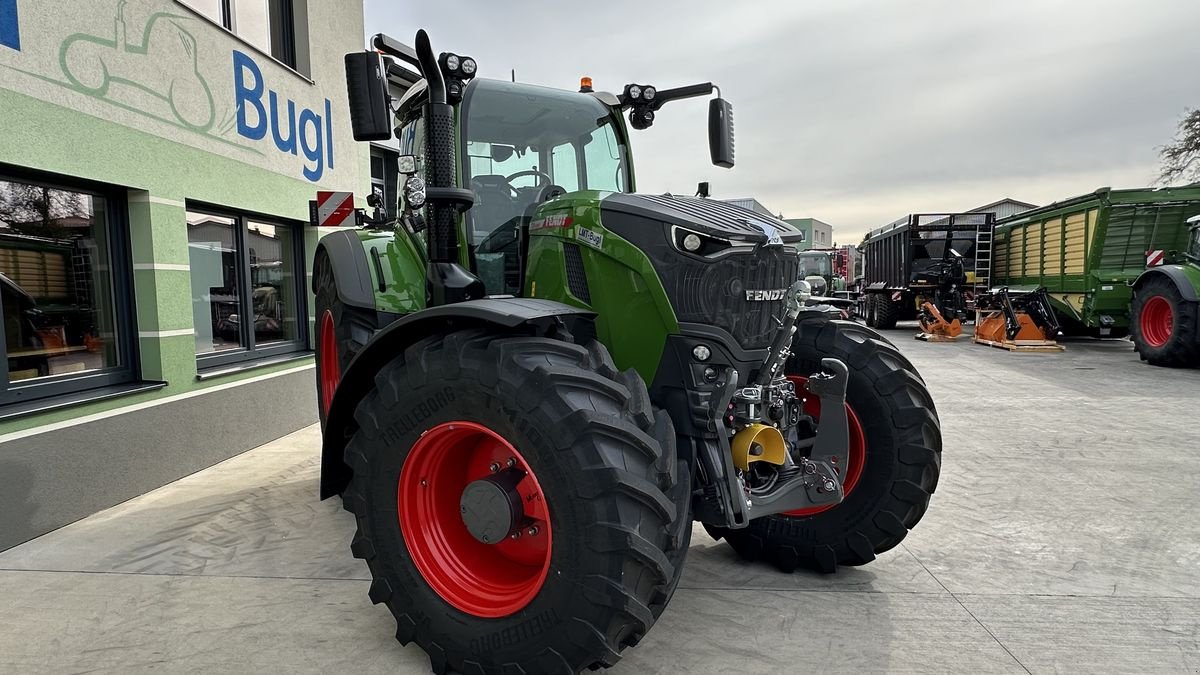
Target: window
{"points": [[516, 144], [64, 284], [564, 167], [605, 169], [269, 25], [247, 287], [384, 176]]}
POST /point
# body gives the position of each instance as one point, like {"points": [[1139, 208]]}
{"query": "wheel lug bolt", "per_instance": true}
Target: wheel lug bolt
{"points": [[532, 530], [424, 482], [512, 461], [516, 535], [495, 467]]}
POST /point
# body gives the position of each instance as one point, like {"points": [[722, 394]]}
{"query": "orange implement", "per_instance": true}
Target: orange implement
{"points": [[933, 323], [992, 326]]}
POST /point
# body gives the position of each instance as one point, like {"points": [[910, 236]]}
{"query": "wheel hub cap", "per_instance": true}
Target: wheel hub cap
{"points": [[491, 507]]}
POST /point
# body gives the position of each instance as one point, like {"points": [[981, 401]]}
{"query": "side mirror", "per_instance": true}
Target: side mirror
{"points": [[366, 85], [720, 132]]}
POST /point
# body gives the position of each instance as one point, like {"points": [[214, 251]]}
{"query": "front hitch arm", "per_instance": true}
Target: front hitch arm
{"points": [[817, 481]]}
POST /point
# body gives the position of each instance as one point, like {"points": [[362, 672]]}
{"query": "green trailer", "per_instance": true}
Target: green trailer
{"points": [[1089, 251]]}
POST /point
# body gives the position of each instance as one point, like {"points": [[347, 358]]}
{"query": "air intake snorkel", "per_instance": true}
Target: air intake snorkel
{"points": [[446, 281]]}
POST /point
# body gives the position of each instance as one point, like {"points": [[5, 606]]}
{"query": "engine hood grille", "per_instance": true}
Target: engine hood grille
{"points": [[707, 216]]}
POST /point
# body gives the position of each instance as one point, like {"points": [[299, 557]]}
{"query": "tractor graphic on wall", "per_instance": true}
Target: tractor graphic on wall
{"points": [[164, 64]]}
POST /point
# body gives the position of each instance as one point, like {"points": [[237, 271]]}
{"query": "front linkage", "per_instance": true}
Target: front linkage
{"points": [[758, 449]]}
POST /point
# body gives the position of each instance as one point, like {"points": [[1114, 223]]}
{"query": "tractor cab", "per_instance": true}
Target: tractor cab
{"points": [[514, 163]]}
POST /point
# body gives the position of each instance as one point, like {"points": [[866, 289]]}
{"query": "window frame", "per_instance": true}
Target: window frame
{"points": [[120, 264], [287, 16], [248, 351]]}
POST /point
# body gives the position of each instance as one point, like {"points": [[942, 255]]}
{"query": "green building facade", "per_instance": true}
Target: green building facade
{"points": [[817, 234], [157, 159]]}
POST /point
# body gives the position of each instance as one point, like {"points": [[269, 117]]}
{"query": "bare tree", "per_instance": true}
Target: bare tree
{"points": [[1181, 157], [40, 211]]}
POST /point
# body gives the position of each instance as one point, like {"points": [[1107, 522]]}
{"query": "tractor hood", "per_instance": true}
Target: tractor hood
{"points": [[707, 216]]}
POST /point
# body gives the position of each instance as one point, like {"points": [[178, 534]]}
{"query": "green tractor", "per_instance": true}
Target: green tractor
{"points": [[532, 380], [1166, 308]]}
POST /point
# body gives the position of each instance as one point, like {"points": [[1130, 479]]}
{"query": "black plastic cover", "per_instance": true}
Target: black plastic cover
{"points": [[720, 132], [366, 85]]}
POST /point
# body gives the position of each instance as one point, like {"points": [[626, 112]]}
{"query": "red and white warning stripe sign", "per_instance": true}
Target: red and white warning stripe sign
{"points": [[333, 208], [1155, 258]]}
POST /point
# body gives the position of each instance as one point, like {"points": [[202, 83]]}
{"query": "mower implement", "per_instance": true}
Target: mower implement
{"points": [[533, 379]]}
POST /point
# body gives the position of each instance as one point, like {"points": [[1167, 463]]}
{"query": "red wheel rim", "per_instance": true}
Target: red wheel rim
{"points": [[857, 457], [485, 580], [327, 360], [1157, 321]]}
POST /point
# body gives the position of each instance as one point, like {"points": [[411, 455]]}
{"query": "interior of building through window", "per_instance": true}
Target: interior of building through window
{"points": [[272, 283], [56, 284], [212, 255]]}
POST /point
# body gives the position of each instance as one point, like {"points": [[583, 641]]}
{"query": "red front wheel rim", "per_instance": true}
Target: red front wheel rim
{"points": [[484, 580], [856, 458], [1157, 321], [329, 368]]}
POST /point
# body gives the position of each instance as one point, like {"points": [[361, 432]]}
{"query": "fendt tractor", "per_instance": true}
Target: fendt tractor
{"points": [[532, 380]]}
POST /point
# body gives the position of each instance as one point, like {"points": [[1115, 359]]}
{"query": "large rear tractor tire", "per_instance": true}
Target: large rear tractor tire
{"points": [[519, 503], [886, 312], [870, 310], [342, 331], [1164, 325], [894, 460]]}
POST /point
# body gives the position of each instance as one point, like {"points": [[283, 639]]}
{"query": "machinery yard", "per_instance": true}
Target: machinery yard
{"points": [[1061, 538]]}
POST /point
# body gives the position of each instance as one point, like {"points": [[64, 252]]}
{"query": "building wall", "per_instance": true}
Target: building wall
{"points": [[817, 234], [172, 110], [1004, 208], [752, 204]]}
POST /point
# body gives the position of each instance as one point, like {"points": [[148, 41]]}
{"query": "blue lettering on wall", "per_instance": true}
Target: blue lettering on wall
{"points": [[10, 30], [309, 131]]}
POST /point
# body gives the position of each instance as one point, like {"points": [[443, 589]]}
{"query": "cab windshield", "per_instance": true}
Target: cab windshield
{"points": [[521, 139], [815, 264], [1194, 245]]}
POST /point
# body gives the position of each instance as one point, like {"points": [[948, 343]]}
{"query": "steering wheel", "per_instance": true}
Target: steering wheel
{"points": [[543, 178]]}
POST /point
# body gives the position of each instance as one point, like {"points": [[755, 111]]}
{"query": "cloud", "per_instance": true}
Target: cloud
{"points": [[861, 111]]}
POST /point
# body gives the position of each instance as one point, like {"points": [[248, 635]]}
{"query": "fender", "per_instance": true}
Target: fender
{"points": [[1175, 273], [348, 258], [542, 316]]}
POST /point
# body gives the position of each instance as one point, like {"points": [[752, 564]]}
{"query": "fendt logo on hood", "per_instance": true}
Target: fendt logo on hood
{"points": [[765, 295]]}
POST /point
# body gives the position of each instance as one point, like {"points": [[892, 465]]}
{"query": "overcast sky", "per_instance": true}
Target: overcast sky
{"points": [[857, 112]]}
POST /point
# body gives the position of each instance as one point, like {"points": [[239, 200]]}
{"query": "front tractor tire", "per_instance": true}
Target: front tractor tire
{"points": [[342, 331], [1164, 325], [894, 459], [518, 501]]}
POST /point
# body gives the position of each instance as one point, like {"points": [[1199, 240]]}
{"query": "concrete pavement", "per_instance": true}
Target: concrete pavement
{"points": [[1063, 537]]}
